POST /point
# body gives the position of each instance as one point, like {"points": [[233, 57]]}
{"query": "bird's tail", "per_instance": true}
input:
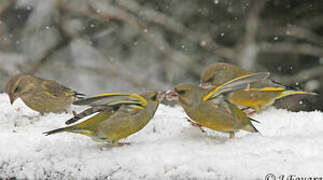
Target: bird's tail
{"points": [[59, 130], [250, 127], [253, 120], [72, 129], [293, 92]]}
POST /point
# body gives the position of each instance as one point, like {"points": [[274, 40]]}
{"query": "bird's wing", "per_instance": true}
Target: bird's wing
{"points": [[93, 122], [86, 113], [132, 103], [113, 99], [239, 83], [238, 113], [54, 89]]}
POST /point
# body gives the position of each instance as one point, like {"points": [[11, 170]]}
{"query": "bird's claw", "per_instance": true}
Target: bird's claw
{"points": [[251, 113], [196, 125]]}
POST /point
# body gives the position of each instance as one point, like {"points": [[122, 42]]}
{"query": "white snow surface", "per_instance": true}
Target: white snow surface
{"points": [[167, 148]]}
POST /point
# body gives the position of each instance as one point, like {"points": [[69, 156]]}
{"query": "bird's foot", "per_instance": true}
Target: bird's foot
{"points": [[196, 125], [251, 113], [123, 143], [245, 108], [231, 135], [117, 143]]}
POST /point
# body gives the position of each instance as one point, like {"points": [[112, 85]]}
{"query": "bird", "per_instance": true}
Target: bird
{"points": [[210, 108], [39, 94], [259, 95], [115, 120]]}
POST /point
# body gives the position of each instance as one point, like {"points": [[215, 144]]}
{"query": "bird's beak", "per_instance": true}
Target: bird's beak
{"points": [[205, 85], [172, 96], [12, 98]]}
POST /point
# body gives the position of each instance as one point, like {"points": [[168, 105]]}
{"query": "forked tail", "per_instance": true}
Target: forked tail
{"points": [[250, 127], [59, 130], [71, 129], [293, 92]]}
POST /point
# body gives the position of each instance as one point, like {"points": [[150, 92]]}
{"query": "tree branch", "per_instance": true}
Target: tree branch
{"points": [[302, 76], [204, 40], [283, 47]]}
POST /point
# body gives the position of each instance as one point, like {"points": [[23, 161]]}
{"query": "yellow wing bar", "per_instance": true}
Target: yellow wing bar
{"points": [[111, 94], [239, 83], [112, 99], [266, 89]]}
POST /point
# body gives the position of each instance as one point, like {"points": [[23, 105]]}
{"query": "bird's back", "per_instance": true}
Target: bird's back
{"points": [[49, 96]]}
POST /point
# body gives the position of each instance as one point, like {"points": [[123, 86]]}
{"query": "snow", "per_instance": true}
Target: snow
{"points": [[167, 148]]}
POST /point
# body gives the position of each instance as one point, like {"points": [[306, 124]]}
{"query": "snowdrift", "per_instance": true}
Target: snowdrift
{"points": [[168, 148]]}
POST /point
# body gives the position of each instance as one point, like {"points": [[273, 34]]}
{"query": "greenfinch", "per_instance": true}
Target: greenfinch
{"points": [[40, 94], [118, 116], [260, 94], [210, 108]]}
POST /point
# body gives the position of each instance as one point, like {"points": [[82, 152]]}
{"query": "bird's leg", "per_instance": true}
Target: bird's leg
{"points": [[231, 135], [124, 143], [256, 109], [196, 125], [251, 113], [117, 143], [245, 108]]}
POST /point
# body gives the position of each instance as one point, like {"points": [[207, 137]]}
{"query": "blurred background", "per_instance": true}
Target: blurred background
{"points": [[134, 45]]}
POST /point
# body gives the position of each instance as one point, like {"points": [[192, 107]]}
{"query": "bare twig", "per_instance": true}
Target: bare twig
{"points": [[292, 31], [312, 23], [285, 47], [303, 33], [302, 76], [108, 71], [108, 11], [203, 39]]}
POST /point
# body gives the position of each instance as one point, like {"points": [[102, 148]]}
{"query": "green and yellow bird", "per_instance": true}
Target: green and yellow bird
{"points": [[40, 94], [259, 95], [119, 115], [210, 108]]}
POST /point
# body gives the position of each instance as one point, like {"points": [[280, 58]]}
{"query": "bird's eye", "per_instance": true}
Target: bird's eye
{"points": [[181, 92], [154, 98], [17, 89], [210, 80]]}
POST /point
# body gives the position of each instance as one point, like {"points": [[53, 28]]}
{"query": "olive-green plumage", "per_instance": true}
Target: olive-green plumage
{"points": [[260, 94], [219, 73], [216, 114], [40, 94], [117, 121]]}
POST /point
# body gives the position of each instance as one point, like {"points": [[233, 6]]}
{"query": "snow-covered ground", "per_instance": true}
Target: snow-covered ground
{"points": [[168, 148]]}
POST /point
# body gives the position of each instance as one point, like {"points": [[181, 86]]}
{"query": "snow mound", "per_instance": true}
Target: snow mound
{"points": [[167, 148]]}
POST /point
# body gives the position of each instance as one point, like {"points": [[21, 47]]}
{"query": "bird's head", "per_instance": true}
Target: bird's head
{"points": [[19, 86], [186, 94]]}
